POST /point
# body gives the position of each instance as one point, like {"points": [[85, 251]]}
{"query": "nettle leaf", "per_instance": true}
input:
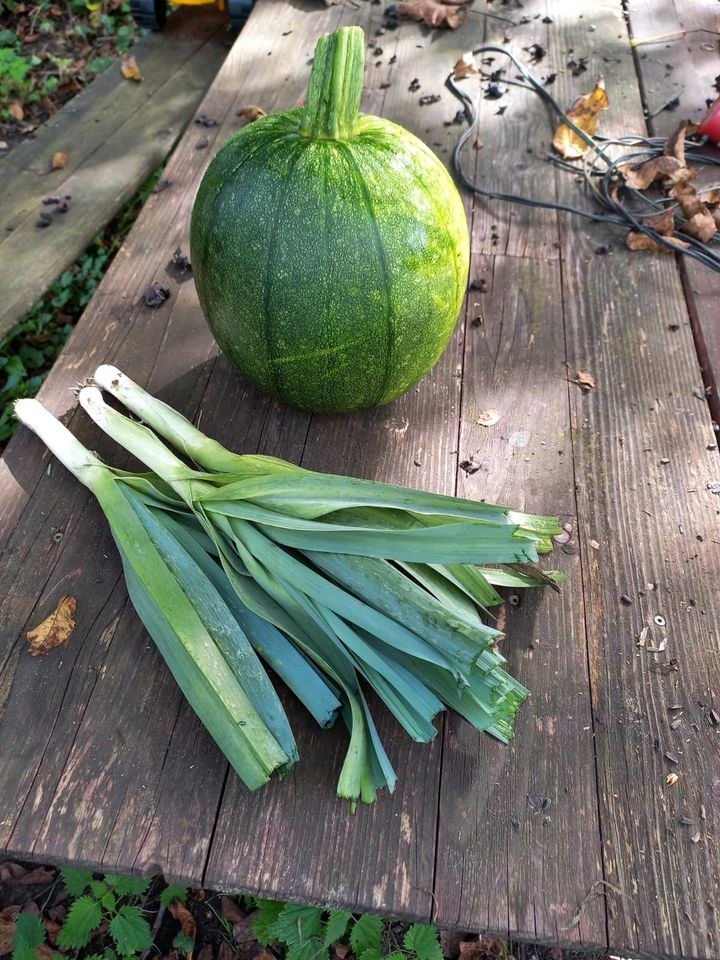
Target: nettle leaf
{"points": [[296, 924], [311, 949], [396, 955], [109, 901], [336, 926], [423, 941], [183, 942], [173, 891], [373, 954], [130, 931], [268, 912], [75, 880], [29, 933], [98, 889], [82, 920], [128, 886], [366, 934]]}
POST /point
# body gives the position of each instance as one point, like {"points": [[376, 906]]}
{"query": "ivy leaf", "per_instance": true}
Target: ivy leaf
{"points": [[29, 933], [336, 926], [173, 891], [268, 913], [366, 934], [75, 880], [296, 924], [130, 931], [84, 918], [422, 940], [128, 886]]}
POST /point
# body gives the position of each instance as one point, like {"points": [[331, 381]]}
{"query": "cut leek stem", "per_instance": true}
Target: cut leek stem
{"points": [[202, 645]]}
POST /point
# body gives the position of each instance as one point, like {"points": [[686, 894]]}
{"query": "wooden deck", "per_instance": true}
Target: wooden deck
{"points": [[571, 834], [113, 135]]}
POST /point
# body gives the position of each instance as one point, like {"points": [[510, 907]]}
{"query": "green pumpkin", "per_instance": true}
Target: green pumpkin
{"points": [[330, 249]]}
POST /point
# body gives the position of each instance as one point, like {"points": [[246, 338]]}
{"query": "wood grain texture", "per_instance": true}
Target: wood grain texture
{"points": [[642, 471], [685, 67], [103, 764], [114, 135]]}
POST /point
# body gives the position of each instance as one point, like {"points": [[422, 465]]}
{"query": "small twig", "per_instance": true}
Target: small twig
{"points": [[662, 37], [591, 896]]}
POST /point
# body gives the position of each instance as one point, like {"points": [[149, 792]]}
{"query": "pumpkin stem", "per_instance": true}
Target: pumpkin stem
{"points": [[336, 81]]}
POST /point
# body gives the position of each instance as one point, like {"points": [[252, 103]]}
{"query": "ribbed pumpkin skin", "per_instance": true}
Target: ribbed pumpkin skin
{"points": [[331, 272]]}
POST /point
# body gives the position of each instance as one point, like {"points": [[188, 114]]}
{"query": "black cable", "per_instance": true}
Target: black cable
{"points": [[618, 215]]}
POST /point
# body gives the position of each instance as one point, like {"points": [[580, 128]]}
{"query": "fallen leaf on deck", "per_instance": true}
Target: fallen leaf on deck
{"points": [[585, 113], [699, 222], [251, 113], [671, 779], [675, 143], [640, 241], [15, 110], [488, 418], [435, 13], [585, 380], [465, 67], [669, 169], [130, 69], [186, 920], [58, 161], [53, 631], [663, 223]]}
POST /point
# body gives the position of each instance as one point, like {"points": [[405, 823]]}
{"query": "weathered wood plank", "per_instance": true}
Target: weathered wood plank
{"points": [[685, 67], [113, 135], [655, 523], [73, 751], [506, 811], [382, 858]]}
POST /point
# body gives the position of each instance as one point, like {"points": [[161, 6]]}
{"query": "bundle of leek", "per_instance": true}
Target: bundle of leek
{"points": [[334, 582]]}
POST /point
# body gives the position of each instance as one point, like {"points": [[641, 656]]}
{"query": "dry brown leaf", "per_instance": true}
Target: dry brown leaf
{"points": [[465, 67], [700, 223], [712, 197], [585, 113], [243, 928], [668, 169], [130, 69], [11, 871], [225, 951], [15, 110], [341, 950], [675, 143], [251, 113], [58, 161], [41, 874], [55, 629], [663, 223], [640, 241], [205, 952], [230, 910], [434, 12], [7, 928], [585, 380], [186, 920], [53, 929], [671, 779]]}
